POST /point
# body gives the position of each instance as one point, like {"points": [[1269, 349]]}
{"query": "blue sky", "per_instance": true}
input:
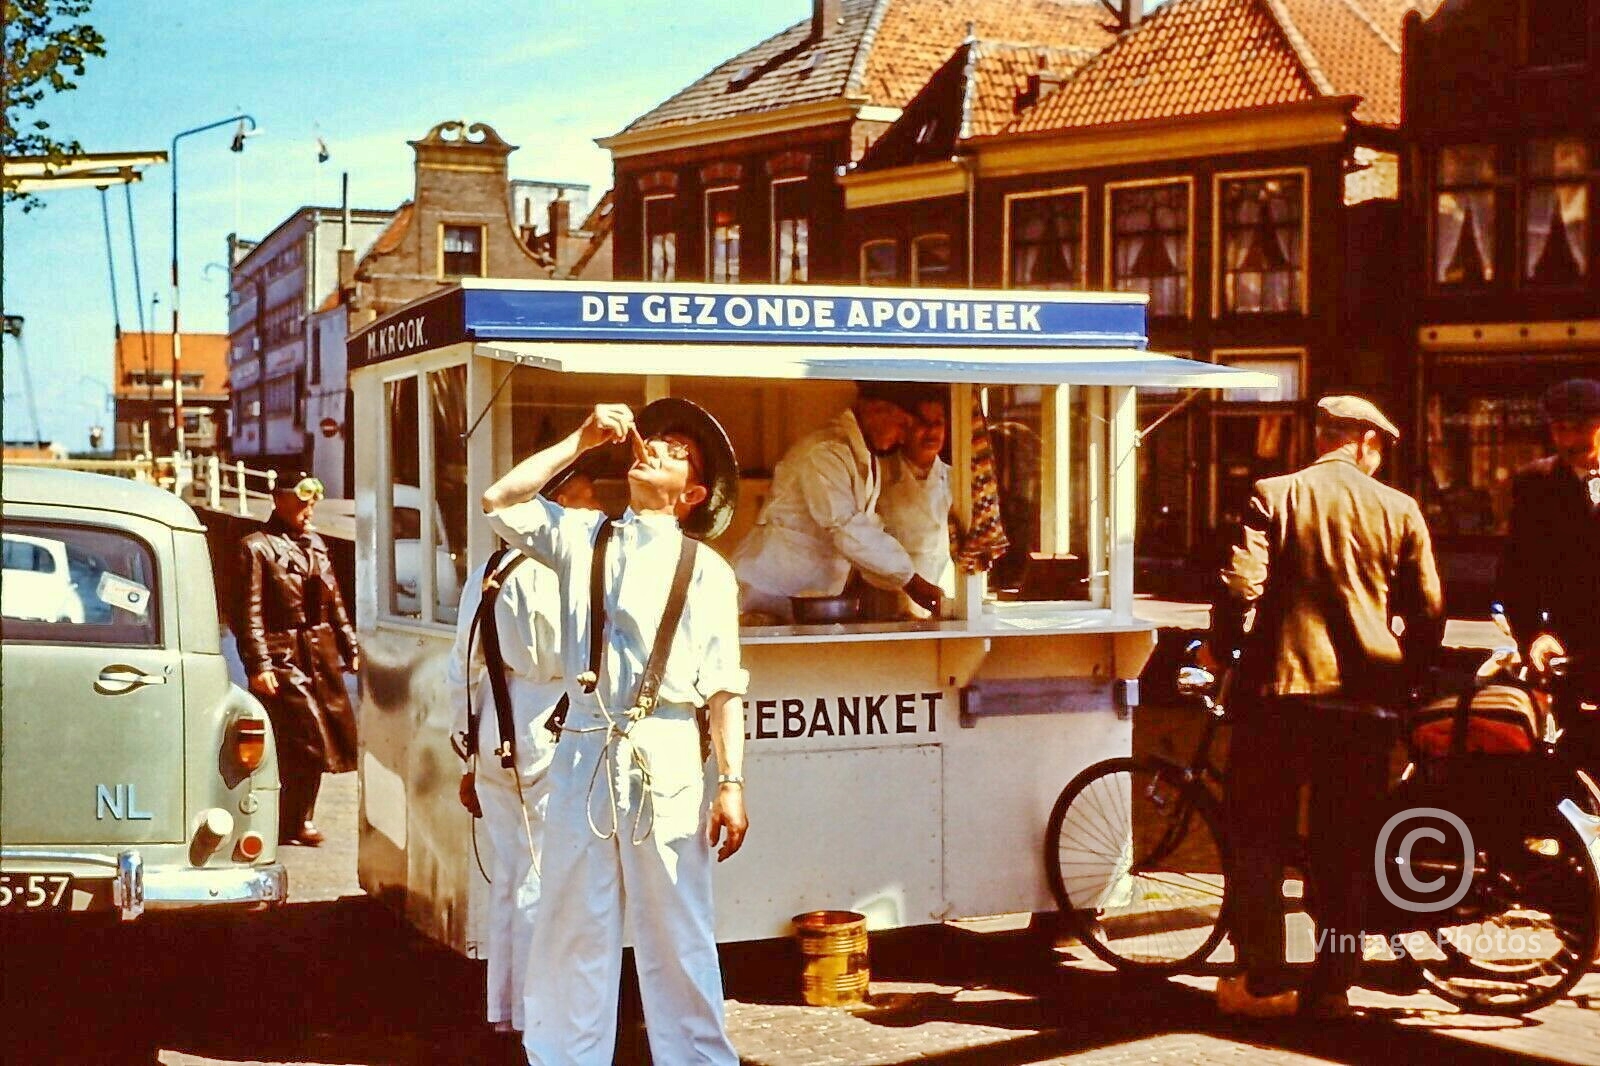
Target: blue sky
{"points": [[550, 75]]}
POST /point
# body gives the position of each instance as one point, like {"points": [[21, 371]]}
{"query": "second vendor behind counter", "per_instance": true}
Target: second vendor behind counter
{"points": [[821, 523]]}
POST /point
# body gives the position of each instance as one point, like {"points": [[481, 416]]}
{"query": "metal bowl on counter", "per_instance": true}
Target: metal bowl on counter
{"points": [[823, 610]]}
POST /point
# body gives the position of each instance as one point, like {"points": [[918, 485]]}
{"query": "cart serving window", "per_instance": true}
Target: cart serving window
{"points": [[971, 720]]}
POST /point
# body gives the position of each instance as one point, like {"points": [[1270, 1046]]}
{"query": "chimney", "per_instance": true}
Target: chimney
{"points": [[824, 17], [560, 218]]}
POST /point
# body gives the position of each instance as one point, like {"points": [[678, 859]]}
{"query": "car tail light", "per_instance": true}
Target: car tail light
{"points": [[249, 847], [249, 743]]}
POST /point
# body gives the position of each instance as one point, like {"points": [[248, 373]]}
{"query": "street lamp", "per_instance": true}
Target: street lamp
{"points": [[246, 128]]}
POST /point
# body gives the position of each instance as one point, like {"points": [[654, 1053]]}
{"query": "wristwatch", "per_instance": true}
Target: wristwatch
{"points": [[730, 779]]}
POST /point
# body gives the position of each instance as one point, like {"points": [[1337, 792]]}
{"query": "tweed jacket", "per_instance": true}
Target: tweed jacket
{"points": [[1329, 558]]}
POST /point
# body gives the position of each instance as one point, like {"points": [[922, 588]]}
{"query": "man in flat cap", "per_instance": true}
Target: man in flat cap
{"points": [[1327, 559], [1550, 574], [649, 642], [295, 639]]}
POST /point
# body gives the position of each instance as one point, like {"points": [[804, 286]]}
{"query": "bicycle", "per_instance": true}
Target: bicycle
{"points": [[1136, 852]]}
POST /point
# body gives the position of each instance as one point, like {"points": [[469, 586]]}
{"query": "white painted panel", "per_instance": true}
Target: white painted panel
{"points": [[850, 830], [1001, 778]]}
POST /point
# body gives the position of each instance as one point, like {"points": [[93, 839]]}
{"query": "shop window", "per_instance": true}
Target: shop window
{"points": [[405, 499], [791, 223], [722, 235], [880, 263], [1150, 245], [462, 254], [1463, 216], [1255, 433], [1262, 224], [1556, 32], [1052, 503], [447, 395], [931, 259], [1045, 234], [1481, 428], [661, 238], [1555, 212]]}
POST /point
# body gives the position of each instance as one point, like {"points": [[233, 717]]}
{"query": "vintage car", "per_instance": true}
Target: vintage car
{"points": [[133, 773]]}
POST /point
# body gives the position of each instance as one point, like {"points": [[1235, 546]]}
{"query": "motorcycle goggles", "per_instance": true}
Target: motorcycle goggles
{"points": [[309, 490]]}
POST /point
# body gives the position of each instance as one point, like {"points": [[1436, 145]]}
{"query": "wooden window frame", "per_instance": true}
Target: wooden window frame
{"points": [[705, 211], [861, 256], [916, 255], [1108, 247], [483, 249], [644, 229], [1526, 181], [1217, 250], [772, 215], [1434, 188], [1080, 191]]}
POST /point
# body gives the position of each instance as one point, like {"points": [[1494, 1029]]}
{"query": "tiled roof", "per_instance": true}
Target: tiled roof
{"points": [[1188, 57], [1354, 45], [599, 213], [976, 92], [883, 52], [392, 234], [1000, 74], [783, 70], [1193, 57], [916, 36]]}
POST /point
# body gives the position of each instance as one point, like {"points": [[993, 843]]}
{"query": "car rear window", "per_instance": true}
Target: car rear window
{"points": [[74, 584]]}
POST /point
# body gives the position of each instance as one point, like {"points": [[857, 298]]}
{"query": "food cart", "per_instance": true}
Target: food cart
{"points": [[904, 770]]}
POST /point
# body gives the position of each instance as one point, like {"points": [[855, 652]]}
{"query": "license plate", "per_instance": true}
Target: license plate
{"points": [[35, 892]]}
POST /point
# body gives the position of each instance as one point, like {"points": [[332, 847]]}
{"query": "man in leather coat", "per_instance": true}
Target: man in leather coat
{"points": [[1550, 575], [295, 639]]}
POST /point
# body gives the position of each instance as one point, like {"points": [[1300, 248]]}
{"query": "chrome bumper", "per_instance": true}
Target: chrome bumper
{"points": [[137, 888]]}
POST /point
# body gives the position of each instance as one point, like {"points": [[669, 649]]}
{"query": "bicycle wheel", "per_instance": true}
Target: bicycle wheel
{"points": [[1134, 856], [1530, 931]]}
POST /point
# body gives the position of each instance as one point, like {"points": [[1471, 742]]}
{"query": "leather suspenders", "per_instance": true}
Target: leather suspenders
{"points": [[488, 632], [655, 667]]}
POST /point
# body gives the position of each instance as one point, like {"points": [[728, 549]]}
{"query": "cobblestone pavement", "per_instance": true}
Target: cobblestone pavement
{"points": [[333, 979]]}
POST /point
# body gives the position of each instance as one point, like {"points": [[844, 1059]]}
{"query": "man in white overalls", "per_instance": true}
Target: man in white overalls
{"points": [[629, 834], [511, 799]]}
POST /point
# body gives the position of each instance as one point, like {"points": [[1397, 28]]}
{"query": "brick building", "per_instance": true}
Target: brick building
{"points": [[466, 218], [733, 179], [274, 286], [1235, 159], [142, 392], [1501, 171]]}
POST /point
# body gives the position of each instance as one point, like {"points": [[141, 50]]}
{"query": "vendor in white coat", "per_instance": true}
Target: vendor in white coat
{"points": [[916, 499], [821, 520], [511, 801], [629, 835]]}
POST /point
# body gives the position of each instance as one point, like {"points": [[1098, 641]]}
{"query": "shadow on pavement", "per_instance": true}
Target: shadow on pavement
{"points": [[337, 981]]}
